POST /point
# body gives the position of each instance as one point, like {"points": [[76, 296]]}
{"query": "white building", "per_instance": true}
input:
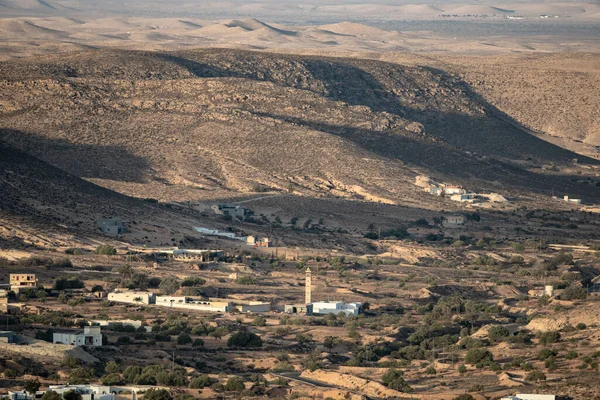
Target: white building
{"points": [[87, 392], [335, 307], [189, 303], [91, 336], [468, 197], [530, 397], [124, 322], [132, 297], [569, 200]]}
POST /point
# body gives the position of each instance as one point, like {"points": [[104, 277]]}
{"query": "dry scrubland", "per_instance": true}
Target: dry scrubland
{"points": [[321, 129], [443, 319]]}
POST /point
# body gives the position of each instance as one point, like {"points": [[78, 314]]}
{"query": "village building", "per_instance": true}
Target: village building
{"points": [[335, 307], [132, 297], [190, 303], [530, 397], [465, 197], [258, 242], [569, 200], [22, 282], [119, 322], [111, 226], [235, 211], [87, 392], [299, 308], [245, 306], [91, 336], [453, 221]]}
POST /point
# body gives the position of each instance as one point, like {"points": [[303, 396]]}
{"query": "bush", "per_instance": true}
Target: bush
{"points": [[475, 356], [574, 292], [549, 337], [244, 339], [545, 354], [198, 343], [131, 373], [193, 281], [157, 394], [497, 333], [200, 382], [393, 380], [464, 396], [245, 280], [462, 369], [430, 370], [184, 339], [112, 380], [68, 282], [581, 326], [535, 376], [234, 384], [106, 250], [51, 395]]}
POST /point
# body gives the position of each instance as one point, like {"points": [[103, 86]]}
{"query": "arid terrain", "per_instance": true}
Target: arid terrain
{"points": [[437, 163]]}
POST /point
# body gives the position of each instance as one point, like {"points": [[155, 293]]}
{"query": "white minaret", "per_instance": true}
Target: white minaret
{"points": [[308, 287]]}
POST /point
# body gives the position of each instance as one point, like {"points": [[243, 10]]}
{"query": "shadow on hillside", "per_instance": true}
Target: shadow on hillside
{"points": [[348, 81], [444, 160], [82, 160]]}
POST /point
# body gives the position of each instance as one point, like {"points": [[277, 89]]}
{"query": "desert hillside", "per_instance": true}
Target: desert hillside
{"points": [[189, 125]]}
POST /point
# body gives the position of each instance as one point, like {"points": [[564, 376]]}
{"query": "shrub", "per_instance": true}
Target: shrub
{"points": [[464, 396], [535, 376], [106, 250], [549, 337], [245, 280], [571, 355], [574, 292], [112, 380], [234, 384], [157, 394], [68, 282], [462, 369], [475, 356], [545, 354], [497, 333], [393, 380], [430, 370], [581, 326], [51, 395], [198, 343], [244, 339], [184, 339], [200, 382]]}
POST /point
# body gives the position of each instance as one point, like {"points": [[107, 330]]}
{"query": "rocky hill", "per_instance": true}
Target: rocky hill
{"points": [[197, 124]]}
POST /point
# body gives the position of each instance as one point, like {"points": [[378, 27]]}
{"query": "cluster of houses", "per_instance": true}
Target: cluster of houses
{"points": [[87, 392], [567, 199], [190, 303]]}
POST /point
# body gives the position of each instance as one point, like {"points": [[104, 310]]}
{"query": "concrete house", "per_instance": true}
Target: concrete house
{"points": [[21, 282], [87, 392], [91, 336], [230, 209], [335, 307], [132, 297], [111, 226], [453, 221]]}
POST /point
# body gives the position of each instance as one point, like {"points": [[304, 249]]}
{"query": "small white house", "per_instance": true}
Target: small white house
{"points": [[87, 392], [132, 297], [91, 336], [530, 397], [335, 307]]}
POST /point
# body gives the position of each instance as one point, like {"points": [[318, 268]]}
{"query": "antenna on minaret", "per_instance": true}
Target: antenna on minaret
{"points": [[308, 287]]}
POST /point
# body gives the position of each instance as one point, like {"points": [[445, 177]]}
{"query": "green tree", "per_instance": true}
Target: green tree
{"points": [[244, 339], [71, 395], [32, 385], [184, 339], [157, 394], [112, 379], [51, 395], [112, 368], [462, 369], [131, 373]]}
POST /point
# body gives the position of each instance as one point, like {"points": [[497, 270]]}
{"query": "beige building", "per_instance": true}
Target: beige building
{"points": [[453, 221], [21, 282]]}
